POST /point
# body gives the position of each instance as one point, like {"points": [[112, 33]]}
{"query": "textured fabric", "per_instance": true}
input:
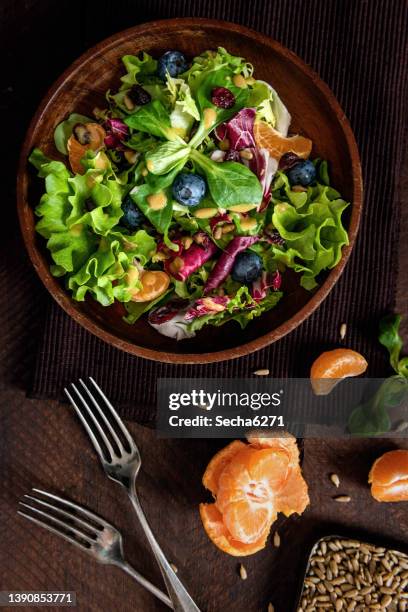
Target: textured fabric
{"points": [[360, 49]]}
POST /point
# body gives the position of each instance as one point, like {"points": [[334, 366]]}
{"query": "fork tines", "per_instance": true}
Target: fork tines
{"points": [[110, 437], [64, 518]]}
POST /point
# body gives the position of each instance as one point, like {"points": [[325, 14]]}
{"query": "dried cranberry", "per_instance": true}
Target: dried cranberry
{"points": [[274, 237], [288, 161], [222, 97], [139, 96], [232, 155]]}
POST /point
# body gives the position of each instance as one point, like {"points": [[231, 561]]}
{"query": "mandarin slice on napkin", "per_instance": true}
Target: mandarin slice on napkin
{"points": [[251, 483], [389, 477], [332, 366]]}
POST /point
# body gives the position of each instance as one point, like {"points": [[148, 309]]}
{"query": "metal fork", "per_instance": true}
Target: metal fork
{"points": [[121, 461], [86, 530]]}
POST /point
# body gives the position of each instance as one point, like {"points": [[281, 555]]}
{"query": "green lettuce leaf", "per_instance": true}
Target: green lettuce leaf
{"points": [[185, 110], [110, 272], [154, 119], [230, 182], [311, 226], [212, 61], [242, 309], [166, 157], [137, 309], [137, 69]]}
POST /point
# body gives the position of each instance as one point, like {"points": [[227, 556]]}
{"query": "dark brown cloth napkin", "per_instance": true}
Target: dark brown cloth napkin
{"points": [[360, 49]]}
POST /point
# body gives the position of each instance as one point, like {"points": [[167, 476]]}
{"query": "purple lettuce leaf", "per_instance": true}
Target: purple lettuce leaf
{"points": [[225, 263]]}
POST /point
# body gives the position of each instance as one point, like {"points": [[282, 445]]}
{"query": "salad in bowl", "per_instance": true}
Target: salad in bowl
{"points": [[185, 198]]}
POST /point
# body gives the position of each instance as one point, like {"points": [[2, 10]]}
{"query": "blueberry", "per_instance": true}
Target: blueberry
{"points": [[302, 173], [247, 267], [132, 217], [189, 189], [172, 62]]}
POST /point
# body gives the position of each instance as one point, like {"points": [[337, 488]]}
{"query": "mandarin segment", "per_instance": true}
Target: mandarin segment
{"points": [[219, 535], [389, 477], [293, 497], [285, 442], [266, 137], [333, 366], [247, 520], [218, 463]]}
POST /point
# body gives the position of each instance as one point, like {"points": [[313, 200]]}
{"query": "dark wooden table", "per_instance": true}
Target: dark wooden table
{"points": [[43, 445]]}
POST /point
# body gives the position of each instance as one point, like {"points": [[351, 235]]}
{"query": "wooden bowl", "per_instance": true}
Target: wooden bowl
{"points": [[315, 113]]}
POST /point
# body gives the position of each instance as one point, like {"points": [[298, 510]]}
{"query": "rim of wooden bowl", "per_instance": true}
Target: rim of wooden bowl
{"points": [[25, 211]]}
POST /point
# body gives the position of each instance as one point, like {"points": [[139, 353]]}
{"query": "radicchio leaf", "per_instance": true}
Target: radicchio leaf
{"points": [[191, 259], [266, 281], [240, 129], [169, 320], [225, 263], [206, 305], [116, 133]]}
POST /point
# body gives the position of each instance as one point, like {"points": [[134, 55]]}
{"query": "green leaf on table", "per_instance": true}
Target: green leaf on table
{"points": [[390, 338], [371, 418]]}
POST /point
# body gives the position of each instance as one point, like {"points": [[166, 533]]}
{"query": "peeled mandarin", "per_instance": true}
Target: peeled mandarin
{"points": [[154, 284], [332, 366], [266, 137], [76, 150], [389, 477], [251, 483]]}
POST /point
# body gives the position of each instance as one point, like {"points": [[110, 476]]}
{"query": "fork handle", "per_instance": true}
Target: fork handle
{"points": [[181, 600], [126, 567]]}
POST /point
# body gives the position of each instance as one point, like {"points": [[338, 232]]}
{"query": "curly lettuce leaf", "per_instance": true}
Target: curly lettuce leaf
{"points": [[212, 61], [312, 228], [110, 272], [138, 69], [92, 199], [185, 110], [269, 107]]}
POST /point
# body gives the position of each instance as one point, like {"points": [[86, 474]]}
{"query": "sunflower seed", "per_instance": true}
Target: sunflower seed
{"points": [[243, 572], [335, 480], [343, 331], [174, 568], [342, 498], [271, 607], [276, 539], [262, 372]]}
